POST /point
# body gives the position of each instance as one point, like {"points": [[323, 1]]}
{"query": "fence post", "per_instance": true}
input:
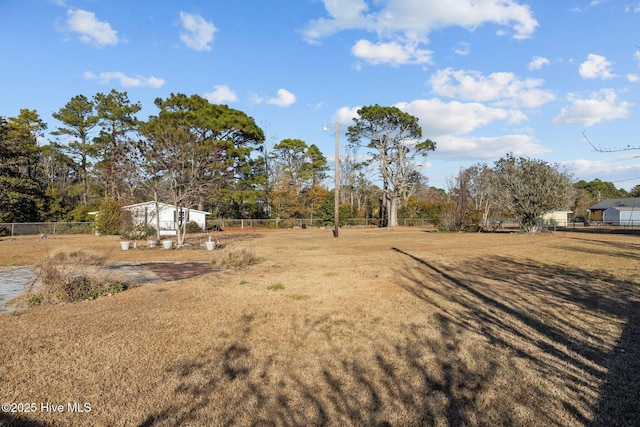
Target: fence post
{"points": [[12, 224]]}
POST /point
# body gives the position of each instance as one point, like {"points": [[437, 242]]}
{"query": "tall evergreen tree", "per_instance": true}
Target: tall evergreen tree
{"points": [[115, 143], [21, 193], [198, 149], [298, 173], [78, 119]]}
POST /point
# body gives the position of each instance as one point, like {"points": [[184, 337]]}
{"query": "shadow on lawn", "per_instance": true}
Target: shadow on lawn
{"points": [[510, 343], [17, 420], [619, 403], [619, 250], [556, 317]]}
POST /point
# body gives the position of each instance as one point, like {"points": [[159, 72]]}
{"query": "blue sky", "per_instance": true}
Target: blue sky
{"points": [[484, 77]]}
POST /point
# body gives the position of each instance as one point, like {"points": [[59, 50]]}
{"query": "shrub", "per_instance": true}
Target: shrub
{"points": [[71, 277], [193, 227], [127, 228], [237, 260], [109, 218], [148, 232]]}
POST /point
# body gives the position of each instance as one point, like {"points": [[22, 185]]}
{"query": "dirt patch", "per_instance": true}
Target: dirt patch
{"points": [[179, 271]]}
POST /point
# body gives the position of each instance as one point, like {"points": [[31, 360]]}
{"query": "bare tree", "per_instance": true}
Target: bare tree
{"points": [[394, 138], [533, 188]]}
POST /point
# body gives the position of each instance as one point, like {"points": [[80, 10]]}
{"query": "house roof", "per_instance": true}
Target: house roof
{"points": [[624, 209], [161, 205], [630, 202]]}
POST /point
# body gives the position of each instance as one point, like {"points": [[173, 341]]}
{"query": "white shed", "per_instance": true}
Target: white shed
{"points": [[559, 218], [621, 215], [146, 213]]}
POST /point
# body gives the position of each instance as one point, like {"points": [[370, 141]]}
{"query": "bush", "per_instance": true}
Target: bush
{"points": [[237, 260], [128, 230], [109, 218], [71, 277], [193, 227], [148, 232]]}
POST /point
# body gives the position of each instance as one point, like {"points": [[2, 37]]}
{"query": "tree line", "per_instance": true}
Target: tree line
{"points": [[211, 157]]}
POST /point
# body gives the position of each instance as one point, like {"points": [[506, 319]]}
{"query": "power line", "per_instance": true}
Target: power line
{"points": [[600, 149]]}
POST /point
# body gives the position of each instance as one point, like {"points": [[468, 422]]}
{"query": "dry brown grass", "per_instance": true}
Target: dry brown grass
{"points": [[378, 326]]}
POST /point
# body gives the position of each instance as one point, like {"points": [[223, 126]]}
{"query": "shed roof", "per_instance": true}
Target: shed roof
{"points": [[162, 206], [624, 209], [632, 202]]}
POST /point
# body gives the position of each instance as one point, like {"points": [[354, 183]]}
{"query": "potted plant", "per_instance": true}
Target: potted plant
{"points": [[210, 244], [126, 230], [150, 233]]}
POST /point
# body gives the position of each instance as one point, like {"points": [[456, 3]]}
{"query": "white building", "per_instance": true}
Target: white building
{"points": [[558, 218], [165, 216], [621, 215]]}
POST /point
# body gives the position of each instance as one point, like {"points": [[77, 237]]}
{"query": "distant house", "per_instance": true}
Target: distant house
{"points": [[558, 218], [166, 215], [621, 216], [596, 212]]}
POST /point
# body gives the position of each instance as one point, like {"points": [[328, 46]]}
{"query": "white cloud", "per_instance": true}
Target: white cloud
{"points": [[392, 53], [462, 49], [501, 88], [449, 118], [125, 81], [596, 66], [633, 78], [220, 95], [485, 148], [632, 8], [448, 122], [90, 30], [403, 26], [419, 17], [538, 62], [618, 168], [600, 106], [284, 99], [198, 34], [343, 14], [345, 115]]}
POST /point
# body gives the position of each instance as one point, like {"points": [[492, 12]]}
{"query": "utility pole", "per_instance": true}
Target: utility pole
{"points": [[336, 191]]}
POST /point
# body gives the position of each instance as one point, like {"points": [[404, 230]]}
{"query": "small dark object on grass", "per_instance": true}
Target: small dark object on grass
{"points": [[216, 228]]}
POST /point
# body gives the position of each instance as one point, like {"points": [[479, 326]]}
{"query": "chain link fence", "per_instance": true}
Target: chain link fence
{"points": [[216, 224], [52, 228]]}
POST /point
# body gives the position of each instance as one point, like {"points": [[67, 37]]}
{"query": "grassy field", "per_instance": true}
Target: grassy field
{"points": [[397, 327]]}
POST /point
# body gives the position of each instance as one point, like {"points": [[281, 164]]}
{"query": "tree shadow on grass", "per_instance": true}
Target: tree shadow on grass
{"points": [[16, 420], [614, 249], [504, 342], [563, 320], [416, 381], [619, 403]]}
